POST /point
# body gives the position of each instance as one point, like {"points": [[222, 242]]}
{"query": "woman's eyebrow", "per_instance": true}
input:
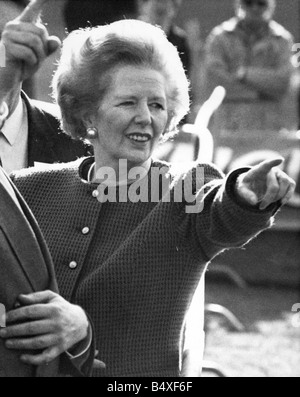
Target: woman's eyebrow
{"points": [[122, 97], [129, 96], [159, 98]]}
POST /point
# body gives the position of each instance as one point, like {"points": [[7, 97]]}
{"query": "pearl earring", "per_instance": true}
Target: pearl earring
{"points": [[91, 133]]}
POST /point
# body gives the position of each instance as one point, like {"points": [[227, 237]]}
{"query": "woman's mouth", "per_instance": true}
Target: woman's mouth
{"points": [[136, 137]]}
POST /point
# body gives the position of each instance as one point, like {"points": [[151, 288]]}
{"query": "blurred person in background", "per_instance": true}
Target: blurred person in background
{"points": [[31, 134], [80, 14], [27, 268], [163, 13], [251, 56]]}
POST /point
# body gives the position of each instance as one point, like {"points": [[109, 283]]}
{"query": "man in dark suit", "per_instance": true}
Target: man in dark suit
{"points": [[47, 143], [26, 268], [35, 341], [21, 248]]}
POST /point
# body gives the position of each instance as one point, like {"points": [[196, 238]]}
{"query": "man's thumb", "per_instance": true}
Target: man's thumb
{"points": [[53, 44]]}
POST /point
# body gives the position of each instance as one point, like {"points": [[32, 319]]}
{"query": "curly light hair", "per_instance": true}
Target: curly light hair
{"points": [[89, 58]]}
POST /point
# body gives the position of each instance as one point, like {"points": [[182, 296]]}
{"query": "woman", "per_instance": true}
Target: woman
{"points": [[132, 257]]}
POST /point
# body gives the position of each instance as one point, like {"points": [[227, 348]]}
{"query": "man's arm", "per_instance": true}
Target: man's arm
{"points": [[272, 82], [27, 44], [249, 82], [218, 74], [47, 324]]}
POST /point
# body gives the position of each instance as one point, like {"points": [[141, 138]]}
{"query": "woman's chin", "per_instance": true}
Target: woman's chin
{"points": [[137, 161], [139, 158]]}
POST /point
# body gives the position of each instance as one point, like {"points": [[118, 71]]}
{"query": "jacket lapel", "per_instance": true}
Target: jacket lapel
{"points": [[23, 241], [40, 146], [29, 247]]}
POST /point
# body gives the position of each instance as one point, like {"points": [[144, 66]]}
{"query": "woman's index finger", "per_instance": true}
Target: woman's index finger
{"points": [[268, 165]]}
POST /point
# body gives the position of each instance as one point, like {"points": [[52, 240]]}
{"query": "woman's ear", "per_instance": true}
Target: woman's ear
{"points": [[89, 119], [90, 123], [92, 133]]}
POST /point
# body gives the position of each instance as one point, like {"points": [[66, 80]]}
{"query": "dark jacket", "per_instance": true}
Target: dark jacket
{"points": [[179, 39], [46, 141], [25, 267]]}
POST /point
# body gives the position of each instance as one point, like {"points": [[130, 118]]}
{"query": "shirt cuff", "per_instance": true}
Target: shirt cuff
{"points": [[80, 350]]}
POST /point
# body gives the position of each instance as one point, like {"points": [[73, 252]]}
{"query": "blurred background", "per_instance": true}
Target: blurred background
{"points": [[207, 13]]}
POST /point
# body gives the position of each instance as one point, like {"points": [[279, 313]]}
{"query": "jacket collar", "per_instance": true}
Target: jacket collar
{"points": [[11, 130], [38, 138]]}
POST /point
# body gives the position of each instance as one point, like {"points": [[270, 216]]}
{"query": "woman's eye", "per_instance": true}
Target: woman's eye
{"points": [[158, 106], [127, 103]]}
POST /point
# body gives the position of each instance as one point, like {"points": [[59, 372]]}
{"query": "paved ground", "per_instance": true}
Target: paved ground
{"points": [[270, 346]]}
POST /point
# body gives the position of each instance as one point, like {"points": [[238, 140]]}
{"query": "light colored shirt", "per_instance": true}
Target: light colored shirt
{"points": [[14, 140]]}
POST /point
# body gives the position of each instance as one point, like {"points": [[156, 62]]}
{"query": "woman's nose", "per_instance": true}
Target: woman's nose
{"points": [[143, 115]]}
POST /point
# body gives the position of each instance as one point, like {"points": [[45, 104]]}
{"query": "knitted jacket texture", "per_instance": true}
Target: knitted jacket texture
{"points": [[134, 267]]}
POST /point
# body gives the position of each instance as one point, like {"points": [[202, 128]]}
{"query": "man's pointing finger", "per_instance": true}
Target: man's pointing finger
{"points": [[32, 11]]}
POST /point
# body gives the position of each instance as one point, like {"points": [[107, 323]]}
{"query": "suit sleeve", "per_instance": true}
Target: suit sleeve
{"points": [[79, 363]]}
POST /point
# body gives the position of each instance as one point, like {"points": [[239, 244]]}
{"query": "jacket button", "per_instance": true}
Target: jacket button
{"points": [[73, 265], [95, 193], [85, 230]]}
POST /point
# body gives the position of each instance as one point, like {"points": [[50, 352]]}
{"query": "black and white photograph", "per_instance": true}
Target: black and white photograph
{"points": [[149, 191]]}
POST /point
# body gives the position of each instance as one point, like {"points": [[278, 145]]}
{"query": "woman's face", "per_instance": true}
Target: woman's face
{"points": [[132, 116]]}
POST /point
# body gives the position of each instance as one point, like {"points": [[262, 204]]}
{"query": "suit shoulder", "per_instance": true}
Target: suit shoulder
{"points": [[44, 127], [47, 173]]}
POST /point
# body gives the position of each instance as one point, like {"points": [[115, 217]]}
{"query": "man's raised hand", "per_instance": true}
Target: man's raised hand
{"points": [[31, 14], [32, 11], [27, 42]]}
